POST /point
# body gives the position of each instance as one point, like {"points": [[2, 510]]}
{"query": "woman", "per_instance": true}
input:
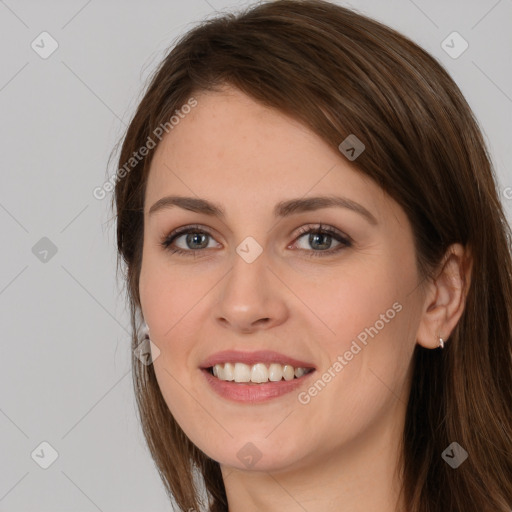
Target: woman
{"points": [[315, 247]]}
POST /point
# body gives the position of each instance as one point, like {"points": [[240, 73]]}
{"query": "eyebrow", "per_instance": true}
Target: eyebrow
{"points": [[282, 209]]}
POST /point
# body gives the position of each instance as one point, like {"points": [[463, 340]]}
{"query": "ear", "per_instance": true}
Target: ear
{"points": [[445, 297]]}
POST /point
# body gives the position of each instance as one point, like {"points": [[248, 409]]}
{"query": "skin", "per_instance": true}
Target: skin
{"points": [[339, 451]]}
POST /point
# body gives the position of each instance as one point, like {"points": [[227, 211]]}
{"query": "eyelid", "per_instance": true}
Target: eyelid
{"points": [[186, 229], [322, 228], [167, 239], [343, 239], [301, 231]]}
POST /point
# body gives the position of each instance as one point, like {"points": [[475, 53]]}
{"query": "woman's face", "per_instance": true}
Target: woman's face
{"points": [[258, 279]]}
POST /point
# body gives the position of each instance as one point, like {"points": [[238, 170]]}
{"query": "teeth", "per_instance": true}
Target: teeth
{"points": [[229, 372], [299, 372], [224, 372], [242, 373], [275, 372], [288, 372], [257, 373]]}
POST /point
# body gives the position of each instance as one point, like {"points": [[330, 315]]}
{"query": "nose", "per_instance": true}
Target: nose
{"points": [[251, 297]]}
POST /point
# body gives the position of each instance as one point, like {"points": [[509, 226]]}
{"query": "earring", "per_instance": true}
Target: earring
{"points": [[441, 342], [145, 330]]}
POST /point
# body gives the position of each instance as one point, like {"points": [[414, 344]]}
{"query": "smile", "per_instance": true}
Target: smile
{"points": [[252, 377], [257, 373]]}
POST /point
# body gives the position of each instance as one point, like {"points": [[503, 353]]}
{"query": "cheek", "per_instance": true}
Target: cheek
{"points": [[166, 294], [353, 299], [367, 335], [168, 300]]}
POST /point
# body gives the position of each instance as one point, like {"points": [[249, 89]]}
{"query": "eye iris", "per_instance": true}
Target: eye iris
{"points": [[313, 238], [191, 239]]}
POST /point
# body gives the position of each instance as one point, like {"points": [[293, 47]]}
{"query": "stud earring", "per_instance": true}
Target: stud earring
{"points": [[441, 342], [145, 330]]}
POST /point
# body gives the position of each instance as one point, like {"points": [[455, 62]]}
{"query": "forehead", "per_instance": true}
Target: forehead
{"points": [[233, 148], [230, 126]]}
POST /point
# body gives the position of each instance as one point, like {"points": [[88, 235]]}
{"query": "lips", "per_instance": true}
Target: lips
{"points": [[251, 358]]}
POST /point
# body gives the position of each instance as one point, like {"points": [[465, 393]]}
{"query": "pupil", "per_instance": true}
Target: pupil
{"points": [[191, 239], [313, 237]]}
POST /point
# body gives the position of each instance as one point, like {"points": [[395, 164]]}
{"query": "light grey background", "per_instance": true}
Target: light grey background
{"points": [[64, 361]]}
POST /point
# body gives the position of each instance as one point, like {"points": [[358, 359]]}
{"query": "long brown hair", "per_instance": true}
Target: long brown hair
{"points": [[341, 73]]}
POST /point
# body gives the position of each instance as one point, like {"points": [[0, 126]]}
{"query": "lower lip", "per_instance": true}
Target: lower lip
{"points": [[241, 392]]}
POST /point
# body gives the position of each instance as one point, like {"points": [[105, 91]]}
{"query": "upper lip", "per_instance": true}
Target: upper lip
{"points": [[250, 358]]}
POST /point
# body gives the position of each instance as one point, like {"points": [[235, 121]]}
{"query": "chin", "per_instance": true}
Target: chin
{"points": [[259, 454]]}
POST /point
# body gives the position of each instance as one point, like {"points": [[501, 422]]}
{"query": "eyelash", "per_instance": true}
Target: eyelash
{"points": [[344, 240]]}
